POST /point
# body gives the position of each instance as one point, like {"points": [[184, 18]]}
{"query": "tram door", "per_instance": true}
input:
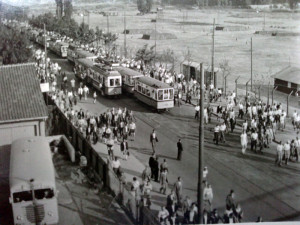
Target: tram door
{"points": [[192, 72]]}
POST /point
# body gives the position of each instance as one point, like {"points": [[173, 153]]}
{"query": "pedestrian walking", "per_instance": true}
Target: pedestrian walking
{"points": [[197, 110], [244, 142], [279, 151], [179, 149], [153, 140], [216, 134], [151, 164], [163, 181], [208, 197], [85, 92], [286, 150], [80, 93], [254, 137], [156, 169], [178, 190], [95, 96]]}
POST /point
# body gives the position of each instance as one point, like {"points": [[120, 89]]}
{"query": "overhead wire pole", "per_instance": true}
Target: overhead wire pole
{"points": [[45, 44], [201, 146], [251, 67], [125, 32], [107, 23], [213, 57], [155, 35]]}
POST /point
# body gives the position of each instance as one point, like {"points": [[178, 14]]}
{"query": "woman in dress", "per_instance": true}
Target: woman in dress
{"points": [[244, 141]]}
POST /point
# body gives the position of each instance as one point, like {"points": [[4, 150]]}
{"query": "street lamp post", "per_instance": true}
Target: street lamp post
{"points": [[274, 89], [236, 80], [201, 146], [247, 87], [225, 91], [268, 93], [259, 92], [287, 103]]}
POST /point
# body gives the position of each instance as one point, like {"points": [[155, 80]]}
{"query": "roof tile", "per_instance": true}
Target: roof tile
{"points": [[21, 96]]}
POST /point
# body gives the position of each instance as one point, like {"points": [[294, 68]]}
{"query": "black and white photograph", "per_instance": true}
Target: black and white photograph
{"points": [[149, 112]]}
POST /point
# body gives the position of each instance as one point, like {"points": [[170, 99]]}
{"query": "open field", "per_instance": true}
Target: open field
{"points": [[270, 53]]}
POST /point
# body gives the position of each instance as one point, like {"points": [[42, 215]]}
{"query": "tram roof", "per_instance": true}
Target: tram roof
{"points": [[86, 62], [31, 159], [128, 72], [152, 82], [83, 53], [105, 70]]}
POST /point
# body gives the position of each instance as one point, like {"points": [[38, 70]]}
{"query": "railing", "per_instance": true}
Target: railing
{"points": [[103, 171]]}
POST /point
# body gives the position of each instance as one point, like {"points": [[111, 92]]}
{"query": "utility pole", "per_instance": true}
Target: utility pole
{"points": [[155, 35], [88, 12], [268, 93], [287, 103], [264, 21], [107, 23], [274, 89], [201, 146], [45, 44], [251, 67], [125, 50], [236, 80], [213, 57]]}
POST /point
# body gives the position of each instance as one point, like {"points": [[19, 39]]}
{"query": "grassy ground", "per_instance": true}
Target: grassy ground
{"points": [[270, 54]]}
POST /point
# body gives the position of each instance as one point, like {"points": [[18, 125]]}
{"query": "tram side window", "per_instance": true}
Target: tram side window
{"points": [[111, 82], [44, 193], [139, 88], [166, 94], [118, 82], [160, 94], [22, 196], [148, 92], [144, 91]]}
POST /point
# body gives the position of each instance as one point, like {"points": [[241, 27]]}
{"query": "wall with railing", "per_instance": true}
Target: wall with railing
{"points": [[103, 171]]}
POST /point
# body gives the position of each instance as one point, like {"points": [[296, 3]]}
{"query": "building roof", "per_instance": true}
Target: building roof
{"points": [[21, 97], [290, 74], [152, 82]]}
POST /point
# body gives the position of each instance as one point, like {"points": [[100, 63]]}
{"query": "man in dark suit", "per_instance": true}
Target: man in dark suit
{"points": [[156, 168], [124, 148], [180, 149], [151, 164], [153, 140]]}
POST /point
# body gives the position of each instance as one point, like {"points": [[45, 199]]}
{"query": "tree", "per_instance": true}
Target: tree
{"points": [[68, 9], [14, 46], [226, 69], [144, 6], [145, 55], [293, 3]]}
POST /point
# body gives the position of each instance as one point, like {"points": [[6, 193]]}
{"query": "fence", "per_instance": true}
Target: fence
{"points": [[103, 171]]}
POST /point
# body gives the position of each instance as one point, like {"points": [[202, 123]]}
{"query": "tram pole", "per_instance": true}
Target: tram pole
{"points": [[201, 145]]}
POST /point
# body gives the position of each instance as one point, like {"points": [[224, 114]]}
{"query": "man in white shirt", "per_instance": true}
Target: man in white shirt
{"points": [[115, 164], [287, 151], [222, 132], [163, 215], [254, 137], [197, 109], [216, 134], [241, 110]]}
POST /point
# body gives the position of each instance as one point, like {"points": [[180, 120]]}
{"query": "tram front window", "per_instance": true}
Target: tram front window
{"points": [[160, 95], [111, 82], [171, 94], [118, 82], [166, 94], [22, 196]]}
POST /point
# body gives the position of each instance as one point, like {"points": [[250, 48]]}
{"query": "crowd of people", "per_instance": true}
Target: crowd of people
{"points": [[260, 124]]}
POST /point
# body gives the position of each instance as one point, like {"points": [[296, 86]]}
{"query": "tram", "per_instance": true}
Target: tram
{"points": [[60, 48], [83, 67], [128, 77], [154, 93], [33, 193], [71, 53], [105, 80]]}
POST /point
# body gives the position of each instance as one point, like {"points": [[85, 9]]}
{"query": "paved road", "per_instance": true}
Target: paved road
{"points": [[261, 188]]}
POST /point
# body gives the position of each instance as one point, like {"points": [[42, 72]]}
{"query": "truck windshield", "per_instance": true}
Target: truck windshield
{"points": [[22, 196], [46, 193]]}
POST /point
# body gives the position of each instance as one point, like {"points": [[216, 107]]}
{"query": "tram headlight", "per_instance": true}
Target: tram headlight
{"points": [[19, 217], [50, 213]]}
